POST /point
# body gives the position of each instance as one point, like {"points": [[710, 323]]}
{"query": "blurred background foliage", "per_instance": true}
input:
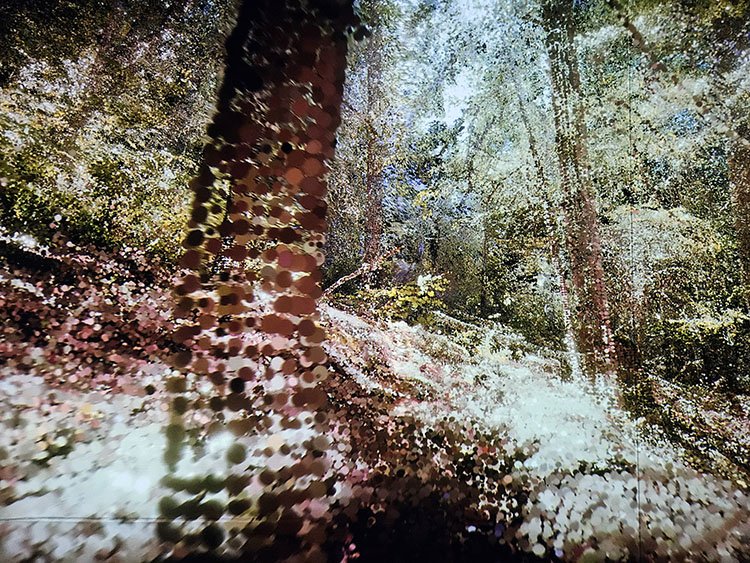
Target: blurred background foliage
{"points": [[103, 106]]}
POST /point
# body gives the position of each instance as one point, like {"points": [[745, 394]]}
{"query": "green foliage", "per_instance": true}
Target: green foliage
{"points": [[707, 350], [412, 302], [26, 31], [30, 203], [540, 322], [101, 121], [110, 178], [517, 286], [117, 207], [682, 269]]}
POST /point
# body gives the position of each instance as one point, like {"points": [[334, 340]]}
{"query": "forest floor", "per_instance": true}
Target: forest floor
{"points": [[593, 469], [82, 472]]}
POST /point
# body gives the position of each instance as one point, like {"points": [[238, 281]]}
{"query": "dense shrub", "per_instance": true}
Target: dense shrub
{"points": [[702, 351]]}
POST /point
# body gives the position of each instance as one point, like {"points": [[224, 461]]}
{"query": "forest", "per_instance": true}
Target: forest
{"points": [[374, 280]]}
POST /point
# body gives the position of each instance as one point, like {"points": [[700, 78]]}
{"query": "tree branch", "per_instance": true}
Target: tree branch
{"points": [[363, 269]]}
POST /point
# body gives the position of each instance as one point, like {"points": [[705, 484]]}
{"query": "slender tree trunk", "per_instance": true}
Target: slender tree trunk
{"points": [[739, 178], [374, 156], [483, 309], [470, 169], [581, 224], [553, 226]]}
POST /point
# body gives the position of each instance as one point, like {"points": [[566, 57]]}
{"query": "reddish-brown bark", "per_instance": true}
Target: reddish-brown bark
{"points": [[581, 223], [259, 195]]}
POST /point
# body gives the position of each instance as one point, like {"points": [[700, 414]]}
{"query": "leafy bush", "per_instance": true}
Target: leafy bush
{"points": [[701, 351], [539, 320], [412, 302], [124, 202]]}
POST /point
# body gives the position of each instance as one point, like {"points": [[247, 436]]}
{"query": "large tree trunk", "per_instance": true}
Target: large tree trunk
{"points": [[259, 214], [581, 224], [739, 178]]}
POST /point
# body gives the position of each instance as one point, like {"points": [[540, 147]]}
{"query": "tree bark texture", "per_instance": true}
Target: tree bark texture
{"points": [[258, 220], [738, 162], [551, 221], [581, 224], [374, 153]]}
